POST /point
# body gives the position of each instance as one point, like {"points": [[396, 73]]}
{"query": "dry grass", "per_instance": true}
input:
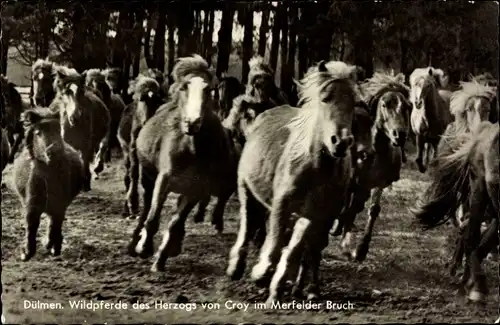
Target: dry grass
{"points": [[404, 278]]}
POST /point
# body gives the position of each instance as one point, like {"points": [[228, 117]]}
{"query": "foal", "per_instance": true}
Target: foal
{"points": [[47, 176]]}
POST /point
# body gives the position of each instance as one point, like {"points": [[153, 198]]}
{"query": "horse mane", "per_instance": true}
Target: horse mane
{"points": [[41, 64], [258, 67], [141, 85], [303, 127], [95, 74], [484, 78], [374, 87], [186, 66], [33, 116], [438, 75], [68, 74], [467, 91]]}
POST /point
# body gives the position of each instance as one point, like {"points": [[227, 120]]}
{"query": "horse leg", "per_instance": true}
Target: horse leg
{"points": [[420, 142], [298, 287], [133, 190], [313, 287], [270, 251], [218, 213], [250, 210], [171, 245], [32, 218], [202, 208], [290, 260], [87, 175], [55, 237], [161, 189], [360, 254], [148, 184], [473, 277], [356, 206], [126, 181], [17, 143]]}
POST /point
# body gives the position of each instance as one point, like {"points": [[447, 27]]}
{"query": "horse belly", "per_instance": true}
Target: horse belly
{"points": [[190, 182]]}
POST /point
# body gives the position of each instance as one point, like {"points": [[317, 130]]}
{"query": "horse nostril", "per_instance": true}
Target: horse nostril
{"points": [[395, 133], [334, 139]]}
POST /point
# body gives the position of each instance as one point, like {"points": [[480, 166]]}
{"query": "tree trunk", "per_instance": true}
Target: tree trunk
{"points": [[205, 34], [273, 57], [118, 47], [4, 52], [171, 44], [247, 43], [78, 59], [159, 42], [264, 28], [285, 77], [138, 35], [303, 42], [225, 39], [292, 48], [363, 43], [147, 43], [209, 40]]}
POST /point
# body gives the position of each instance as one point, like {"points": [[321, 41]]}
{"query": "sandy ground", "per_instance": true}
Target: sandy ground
{"points": [[404, 278]]}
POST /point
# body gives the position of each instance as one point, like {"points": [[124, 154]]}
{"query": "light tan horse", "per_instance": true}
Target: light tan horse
{"points": [[430, 114]]}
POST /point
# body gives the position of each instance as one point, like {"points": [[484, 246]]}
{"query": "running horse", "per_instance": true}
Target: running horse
{"points": [[147, 98], [295, 160], [184, 149], [430, 114], [47, 177], [42, 77], [85, 119], [388, 101], [227, 90], [473, 171], [95, 79], [11, 110]]}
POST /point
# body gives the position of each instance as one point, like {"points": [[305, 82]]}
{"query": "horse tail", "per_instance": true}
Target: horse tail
{"points": [[449, 188]]}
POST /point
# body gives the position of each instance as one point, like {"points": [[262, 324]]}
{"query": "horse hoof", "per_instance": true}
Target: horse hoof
{"points": [[311, 296], [220, 229], [476, 296], [132, 217], [359, 255], [26, 256], [131, 250], [270, 302], [235, 270], [4, 185], [157, 267], [297, 293], [55, 252]]}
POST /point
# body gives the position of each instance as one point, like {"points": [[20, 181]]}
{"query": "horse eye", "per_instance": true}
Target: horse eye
{"points": [[37, 132]]}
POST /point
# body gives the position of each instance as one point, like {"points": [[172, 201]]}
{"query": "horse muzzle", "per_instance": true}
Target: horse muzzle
{"points": [[191, 127], [340, 147]]}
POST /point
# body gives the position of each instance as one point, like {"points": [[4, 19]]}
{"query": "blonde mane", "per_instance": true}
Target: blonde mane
{"points": [[142, 85], [381, 82], [95, 74], [63, 72], [258, 67], [467, 91], [43, 64], [437, 75], [187, 67], [304, 126]]}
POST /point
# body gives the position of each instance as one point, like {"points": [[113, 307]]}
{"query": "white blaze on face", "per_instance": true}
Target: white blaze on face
{"points": [[150, 94], [194, 101], [71, 103], [416, 93]]}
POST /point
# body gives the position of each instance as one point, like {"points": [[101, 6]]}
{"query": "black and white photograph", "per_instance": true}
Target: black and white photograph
{"points": [[224, 161]]}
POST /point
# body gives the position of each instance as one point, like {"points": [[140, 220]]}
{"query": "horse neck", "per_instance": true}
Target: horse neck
{"points": [[381, 141], [435, 107], [210, 139]]}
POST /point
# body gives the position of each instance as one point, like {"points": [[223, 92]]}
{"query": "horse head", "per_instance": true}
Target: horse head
{"points": [[261, 81], [328, 92], [387, 98], [95, 79], [472, 103], [113, 79], [42, 76], [193, 82], [146, 93], [43, 134], [70, 87]]}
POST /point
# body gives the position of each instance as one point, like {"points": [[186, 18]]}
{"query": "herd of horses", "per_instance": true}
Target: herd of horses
{"points": [[302, 169]]}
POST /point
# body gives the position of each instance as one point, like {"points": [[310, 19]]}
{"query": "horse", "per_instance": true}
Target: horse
{"points": [[293, 162], [4, 149], [85, 120], [11, 109], [227, 90], [95, 79], [184, 149], [42, 77], [471, 170], [147, 98], [487, 79], [470, 105], [388, 101], [430, 114], [162, 81], [117, 83], [48, 175]]}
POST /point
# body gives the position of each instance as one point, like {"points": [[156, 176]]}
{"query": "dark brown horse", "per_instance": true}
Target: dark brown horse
{"points": [[162, 81], [94, 78], [11, 108], [42, 77], [473, 171], [5, 149], [118, 83], [47, 176], [84, 118], [388, 101], [294, 161], [184, 149], [147, 98], [227, 90], [430, 114]]}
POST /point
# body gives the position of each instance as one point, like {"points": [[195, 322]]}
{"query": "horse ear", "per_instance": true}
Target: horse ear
{"points": [[322, 66], [430, 72], [84, 74], [400, 77], [30, 117]]}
